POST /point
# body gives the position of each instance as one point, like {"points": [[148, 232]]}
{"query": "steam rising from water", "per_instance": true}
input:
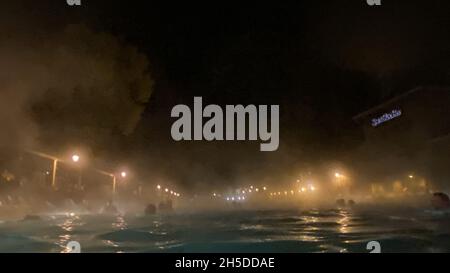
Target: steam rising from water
{"points": [[70, 85]]}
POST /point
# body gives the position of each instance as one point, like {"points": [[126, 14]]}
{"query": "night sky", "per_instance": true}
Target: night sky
{"points": [[322, 61]]}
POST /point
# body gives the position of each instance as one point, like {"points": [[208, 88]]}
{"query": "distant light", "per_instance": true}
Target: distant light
{"points": [[123, 174], [298, 180], [285, 193], [292, 192], [337, 175], [166, 190], [171, 192], [257, 190], [411, 176], [312, 188], [243, 192], [75, 158], [251, 187], [214, 194], [232, 198], [303, 189], [158, 187], [239, 198], [243, 197], [228, 198], [264, 188], [279, 193], [250, 191]]}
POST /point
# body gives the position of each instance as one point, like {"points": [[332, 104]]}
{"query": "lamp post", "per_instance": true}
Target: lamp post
{"points": [[76, 159], [55, 164], [114, 180], [114, 184]]}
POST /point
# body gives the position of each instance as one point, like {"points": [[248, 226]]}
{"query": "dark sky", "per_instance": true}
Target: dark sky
{"points": [[321, 61]]}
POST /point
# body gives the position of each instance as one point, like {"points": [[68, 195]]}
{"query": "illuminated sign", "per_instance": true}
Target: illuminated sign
{"points": [[386, 117]]}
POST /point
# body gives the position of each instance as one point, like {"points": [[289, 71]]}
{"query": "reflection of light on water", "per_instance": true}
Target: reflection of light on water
{"points": [[309, 238], [251, 227], [168, 244], [310, 219], [110, 243], [309, 235], [344, 222], [331, 248], [66, 226]]}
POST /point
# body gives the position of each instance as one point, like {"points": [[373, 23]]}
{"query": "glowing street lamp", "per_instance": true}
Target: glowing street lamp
{"points": [[75, 158], [342, 183], [158, 187], [339, 178], [123, 174]]}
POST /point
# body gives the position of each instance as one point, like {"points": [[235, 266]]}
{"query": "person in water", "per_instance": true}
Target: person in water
{"points": [[109, 208], [440, 200]]}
